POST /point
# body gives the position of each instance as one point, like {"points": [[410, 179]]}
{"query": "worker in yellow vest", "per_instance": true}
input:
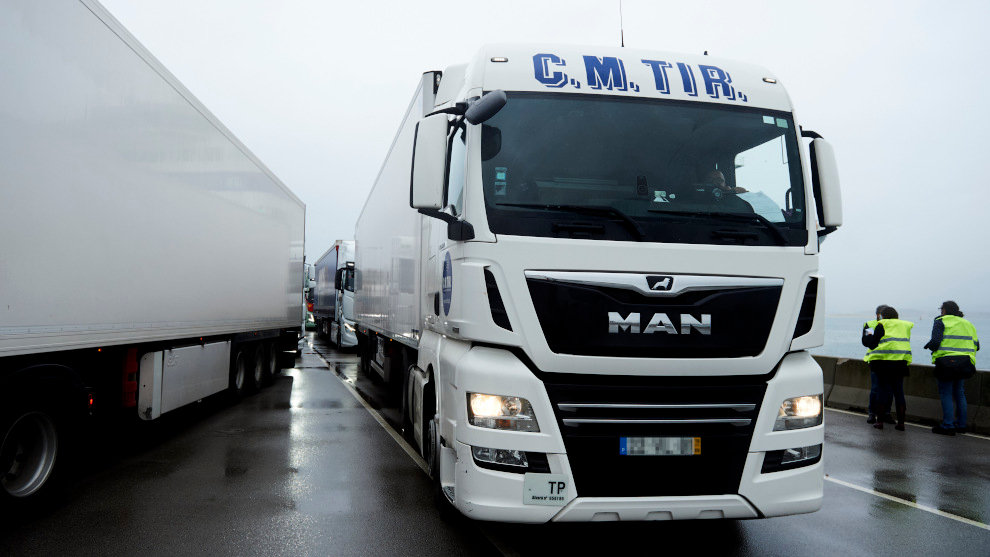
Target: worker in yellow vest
{"points": [[954, 344], [888, 339]]}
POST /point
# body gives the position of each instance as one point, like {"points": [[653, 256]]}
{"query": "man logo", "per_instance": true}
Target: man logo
{"points": [[660, 283]]}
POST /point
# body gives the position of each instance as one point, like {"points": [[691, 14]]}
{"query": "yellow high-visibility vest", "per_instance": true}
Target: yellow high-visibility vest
{"points": [[896, 341], [958, 339]]}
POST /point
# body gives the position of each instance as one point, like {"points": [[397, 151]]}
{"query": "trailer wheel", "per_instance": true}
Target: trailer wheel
{"points": [[272, 351], [28, 451], [238, 374], [258, 367]]}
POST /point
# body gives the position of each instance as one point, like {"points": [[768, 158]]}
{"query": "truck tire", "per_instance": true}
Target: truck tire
{"points": [[29, 451], [405, 409], [431, 454], [271, 350], [258, 367], [238, 374], [364, 353]]}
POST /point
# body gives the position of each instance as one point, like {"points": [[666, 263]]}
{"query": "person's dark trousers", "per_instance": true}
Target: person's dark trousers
{"points": [[874, 389], [891, 387], [876, 401], [953, 396]]}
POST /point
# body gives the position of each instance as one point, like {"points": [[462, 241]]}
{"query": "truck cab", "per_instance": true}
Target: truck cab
{"points": [[618, 287]]}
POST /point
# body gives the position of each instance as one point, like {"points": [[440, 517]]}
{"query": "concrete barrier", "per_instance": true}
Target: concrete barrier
{"points": [[847, 387]]}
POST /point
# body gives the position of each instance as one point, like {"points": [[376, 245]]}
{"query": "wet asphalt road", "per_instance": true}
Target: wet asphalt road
{"points": [[304, 468]]}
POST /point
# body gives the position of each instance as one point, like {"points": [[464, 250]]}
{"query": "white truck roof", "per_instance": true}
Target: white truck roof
{"points": [[616, 71]]}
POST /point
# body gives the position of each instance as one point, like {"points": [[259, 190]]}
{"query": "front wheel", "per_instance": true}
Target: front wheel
{"points": [[431, 454], [28, 451]]}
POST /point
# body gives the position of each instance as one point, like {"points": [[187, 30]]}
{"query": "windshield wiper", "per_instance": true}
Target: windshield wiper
{"points": [[586, 209], [775, 230]]}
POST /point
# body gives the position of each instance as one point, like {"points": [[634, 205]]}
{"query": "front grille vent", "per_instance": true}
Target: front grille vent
{"points": [[806, 317], [499, 315]]}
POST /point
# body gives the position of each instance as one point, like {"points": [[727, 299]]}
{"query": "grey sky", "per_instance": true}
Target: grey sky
{"points": [[317, 88]]}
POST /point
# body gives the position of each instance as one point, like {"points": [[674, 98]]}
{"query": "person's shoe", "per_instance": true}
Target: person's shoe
{"points": [[943, 430], [888, 419], [871, 419], [901, 415], [878, 425]]}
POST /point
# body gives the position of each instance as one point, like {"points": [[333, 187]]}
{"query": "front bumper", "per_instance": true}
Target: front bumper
{"points": [[486, 494]]}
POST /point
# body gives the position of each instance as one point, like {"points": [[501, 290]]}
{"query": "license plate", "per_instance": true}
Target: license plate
{"points": [[659, 446], [545, 489]]}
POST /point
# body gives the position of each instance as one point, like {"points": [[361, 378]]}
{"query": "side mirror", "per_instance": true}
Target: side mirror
{"points": [[429, 163], [825, 184], [485, 107]]}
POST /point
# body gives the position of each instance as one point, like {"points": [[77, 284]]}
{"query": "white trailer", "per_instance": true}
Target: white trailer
{"points": [[599, 288], [149, 259], [333, 302]]}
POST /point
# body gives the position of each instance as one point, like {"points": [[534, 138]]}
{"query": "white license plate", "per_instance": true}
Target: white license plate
{"points": [[545, 489], [659, 446]]}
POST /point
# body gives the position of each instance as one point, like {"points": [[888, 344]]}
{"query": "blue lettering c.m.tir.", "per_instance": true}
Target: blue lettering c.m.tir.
{"points": [[718, 79], [543, 73], [659, 68], [606, 72]]}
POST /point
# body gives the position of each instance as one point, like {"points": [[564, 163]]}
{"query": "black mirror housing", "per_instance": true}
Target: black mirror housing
{"points": [[487, 106]]}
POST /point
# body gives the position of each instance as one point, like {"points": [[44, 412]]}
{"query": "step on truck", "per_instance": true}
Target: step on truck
{"points": [[592, 273], [333, 300], [149, 260]]}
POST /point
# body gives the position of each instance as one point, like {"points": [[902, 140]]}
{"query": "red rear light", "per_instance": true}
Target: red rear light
{"points": [[309, 307]]}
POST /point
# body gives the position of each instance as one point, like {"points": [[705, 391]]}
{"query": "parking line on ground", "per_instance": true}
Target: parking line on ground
{"points": [[909, 503]]}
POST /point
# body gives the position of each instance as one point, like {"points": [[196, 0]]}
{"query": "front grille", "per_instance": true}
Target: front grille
{"points": [[595, 412], [576, 320]]}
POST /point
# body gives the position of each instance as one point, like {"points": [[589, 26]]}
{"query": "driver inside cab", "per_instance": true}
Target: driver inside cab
{"points": [[723, 195]]}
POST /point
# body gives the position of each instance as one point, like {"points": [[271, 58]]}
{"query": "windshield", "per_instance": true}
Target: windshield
{"points": [[576, 166]]}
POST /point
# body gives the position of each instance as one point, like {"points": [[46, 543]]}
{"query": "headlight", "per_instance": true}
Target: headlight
{"points": [[799, 412], [501, 412], [349, 327]]}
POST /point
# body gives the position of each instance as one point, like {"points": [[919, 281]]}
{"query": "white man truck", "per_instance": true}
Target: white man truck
{"points": [[333, 300], [149, 260], [599, 288]]}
